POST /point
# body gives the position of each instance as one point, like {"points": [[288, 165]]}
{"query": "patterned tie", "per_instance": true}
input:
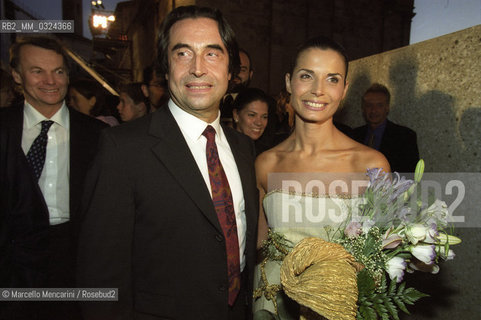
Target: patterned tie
{"points": [[370, 141], [38, 150], [222, 198]]}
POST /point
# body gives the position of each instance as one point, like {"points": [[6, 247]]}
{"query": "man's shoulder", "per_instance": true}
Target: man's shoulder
{"points": [[359, 132], [85, 121], [11, 111], [11, 117], [131, 131], [399, 128], [229, 131]]}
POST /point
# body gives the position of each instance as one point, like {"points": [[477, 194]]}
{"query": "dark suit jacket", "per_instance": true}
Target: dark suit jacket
{"points": [[24, 218], [150, 227], [398, 144]]}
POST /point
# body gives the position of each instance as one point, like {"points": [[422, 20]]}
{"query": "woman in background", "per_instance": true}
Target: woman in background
{"points": [[250, 113], [88, 97]]}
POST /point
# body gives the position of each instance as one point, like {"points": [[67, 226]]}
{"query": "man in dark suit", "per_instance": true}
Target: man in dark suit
{"points": [[41, 185], [156, 226], [397, 143]]}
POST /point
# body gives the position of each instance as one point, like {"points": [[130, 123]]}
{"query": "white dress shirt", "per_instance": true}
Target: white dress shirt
{"points": [[192, 129], [54, 180]]}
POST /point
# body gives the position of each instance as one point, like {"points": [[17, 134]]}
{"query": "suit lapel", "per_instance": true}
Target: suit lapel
{"points": [[172, 150], [22, 172], [77, 148], [386, 137]]}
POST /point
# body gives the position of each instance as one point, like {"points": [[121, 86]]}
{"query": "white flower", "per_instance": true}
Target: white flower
{"points": [[416, 232], [367, 225], [436, 213], [432, 234], [425, 253], [395, 268], [449, 255]]}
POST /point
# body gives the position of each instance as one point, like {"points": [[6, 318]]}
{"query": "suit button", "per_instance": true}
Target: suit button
{"points": [[219, 237], [222, 288]]}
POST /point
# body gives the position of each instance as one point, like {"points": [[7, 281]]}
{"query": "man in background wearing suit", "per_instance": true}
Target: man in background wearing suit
{"points": [[171, 214], [397, 143], [45, 150]]}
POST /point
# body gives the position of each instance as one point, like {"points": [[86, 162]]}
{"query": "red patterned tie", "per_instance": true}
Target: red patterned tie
{"points": [[222, 198]]}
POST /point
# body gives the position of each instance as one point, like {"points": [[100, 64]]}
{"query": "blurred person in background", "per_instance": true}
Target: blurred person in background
{"points": [[8, 92], [88, 97], [155, 87], [133, 103]]}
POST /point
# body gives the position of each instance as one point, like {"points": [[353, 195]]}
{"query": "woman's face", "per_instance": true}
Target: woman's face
{"points": [[317, 84], [252, 119], [79, 102], [128, 110]]}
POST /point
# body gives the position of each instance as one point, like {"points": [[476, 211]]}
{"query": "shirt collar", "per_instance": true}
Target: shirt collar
{"points": [[192, 126], [379, 128], [32, 117]]}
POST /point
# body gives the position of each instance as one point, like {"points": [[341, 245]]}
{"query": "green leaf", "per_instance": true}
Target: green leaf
{"points": [[365, 283], [392, 288], [413, 295], [400, 289], [391, 308], [367, 313], [379, 307], [400, 304]]}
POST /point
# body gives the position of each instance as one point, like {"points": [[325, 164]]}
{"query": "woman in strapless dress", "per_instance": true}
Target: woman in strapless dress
{"points": [[317, 84]]}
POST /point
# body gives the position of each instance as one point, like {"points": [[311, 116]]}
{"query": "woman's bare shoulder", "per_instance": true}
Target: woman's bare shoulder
{"points": [[368, 158], [267, 160]]}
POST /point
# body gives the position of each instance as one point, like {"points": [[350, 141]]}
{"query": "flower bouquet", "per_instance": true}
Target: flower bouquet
{"points": [[360, 274]]}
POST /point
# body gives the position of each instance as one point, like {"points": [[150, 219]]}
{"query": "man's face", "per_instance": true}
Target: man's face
{"points": [[245, 74], [375, 108], [43, 76], [198, 67]]}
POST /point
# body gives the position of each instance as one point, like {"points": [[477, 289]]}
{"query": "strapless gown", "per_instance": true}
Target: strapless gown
{"points": [[297, 216]]}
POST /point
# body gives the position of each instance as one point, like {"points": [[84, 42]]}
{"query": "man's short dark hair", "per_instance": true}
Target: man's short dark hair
{"points": [[378, 88], [148, 74], [45, 42], [193, 12]]}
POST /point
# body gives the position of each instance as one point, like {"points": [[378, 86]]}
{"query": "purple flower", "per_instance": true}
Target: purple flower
{"points": [[353, 229]]}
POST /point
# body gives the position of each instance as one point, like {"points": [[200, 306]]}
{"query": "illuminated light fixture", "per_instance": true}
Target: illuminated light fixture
{"points": [[111, 18], [99, 21], [98, 4]]}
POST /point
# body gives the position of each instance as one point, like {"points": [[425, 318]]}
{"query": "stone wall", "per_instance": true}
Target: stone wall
{"points": [[436, 90]]}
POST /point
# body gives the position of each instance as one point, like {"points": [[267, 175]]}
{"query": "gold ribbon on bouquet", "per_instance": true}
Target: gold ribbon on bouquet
{"points": [[322, 276]]}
